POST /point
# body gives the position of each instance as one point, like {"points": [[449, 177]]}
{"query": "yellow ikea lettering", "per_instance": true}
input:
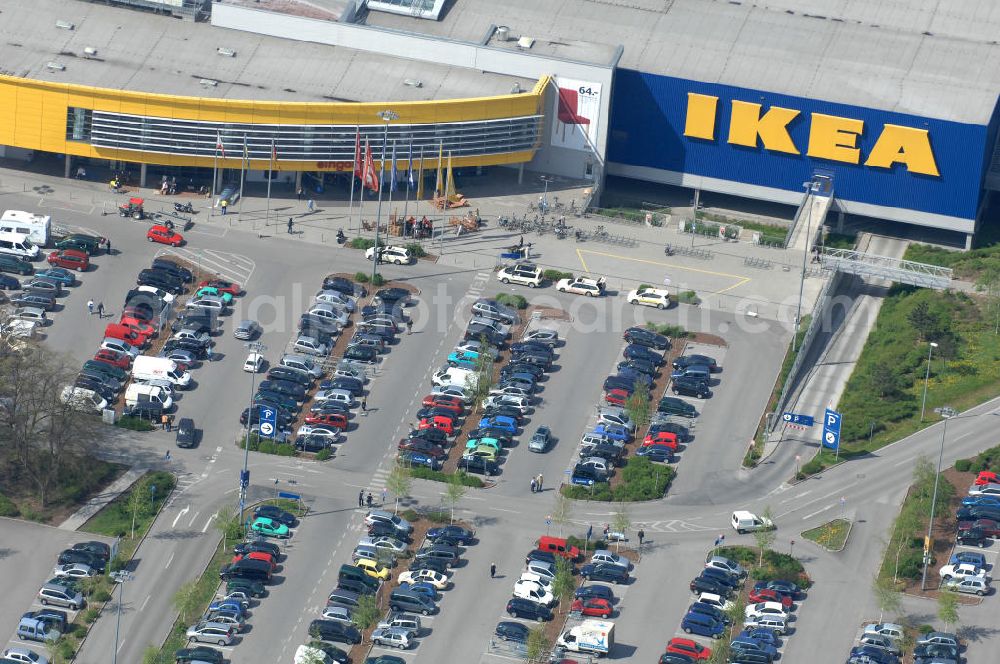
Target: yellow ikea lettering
{"points": [[700, 120], [904, 145], [831, 137], [746, 124]]}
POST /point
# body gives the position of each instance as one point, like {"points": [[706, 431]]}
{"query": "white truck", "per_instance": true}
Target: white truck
{"points": [[37, 226], [139, 393], [591, 636], [160, 368]]}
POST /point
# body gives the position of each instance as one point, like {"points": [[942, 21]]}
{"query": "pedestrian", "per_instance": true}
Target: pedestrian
{"points": [[100, 310], [108, 244], [369, 499], [385, 494], [310, 205], [224, 204], [533, 485], [409, 326], [493, 570], [165, 421], [539, 481], [166, 457], [290, 223], [520, 242], [298, 194], [90, 307], [364, 405], [208, 353], [361, 498], [607, 530], [641, 535]]}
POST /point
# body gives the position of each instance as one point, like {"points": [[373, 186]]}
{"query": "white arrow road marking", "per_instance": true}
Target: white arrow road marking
{"points": [[187, 508], [169, 560], [207, 523]]}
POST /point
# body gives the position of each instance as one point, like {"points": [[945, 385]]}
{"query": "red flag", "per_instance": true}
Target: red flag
{"points": [[219, 145], [358, 167], [274, 151], [369, 179]]}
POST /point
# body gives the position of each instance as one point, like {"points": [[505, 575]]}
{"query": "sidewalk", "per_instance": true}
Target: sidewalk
{"points": [[95, 504]]}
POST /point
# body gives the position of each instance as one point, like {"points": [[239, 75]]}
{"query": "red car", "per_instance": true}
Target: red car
{"points": [[138, 326], [164, 235], [256, 555], [989, 527], [692, 649], [140, 313], [665, 438], [71, 259], [222, 286], [114, 358], [616, 397], [330, 419], [442, 400], [987, 477], [424, 446], [593, 606], [456, 409], [438, 422], [768, 595]]}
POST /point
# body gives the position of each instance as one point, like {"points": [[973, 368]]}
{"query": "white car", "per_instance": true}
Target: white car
{"points": [[24, 655], [390, 254], [984, 490], [193, 335], [158, 292], [336, 297], [532, 591], [475, 346], [542, 335], [526, 274], [520, 403], [254, 363], [321, 431], [582, 286], [436, 579], [761, 609], [650, 297], [73, 571], [717, 601], [962, 570], [605, 556], [459, 391], [543, 581]]}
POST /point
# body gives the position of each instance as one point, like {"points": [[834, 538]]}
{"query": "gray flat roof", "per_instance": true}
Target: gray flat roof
{"points": [[143, 52], [924, 57]]}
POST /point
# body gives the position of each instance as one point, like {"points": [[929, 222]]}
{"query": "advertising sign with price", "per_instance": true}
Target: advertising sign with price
{"points": [[577, 113]]}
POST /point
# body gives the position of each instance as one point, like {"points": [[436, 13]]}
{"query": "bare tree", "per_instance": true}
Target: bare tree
{"points": [[136, 503], [399, 482], [887, 596], [765, 536], [454, 492], [186, 600], [562, 513], [620, 523]]}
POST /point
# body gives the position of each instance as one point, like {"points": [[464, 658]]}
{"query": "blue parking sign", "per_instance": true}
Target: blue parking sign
{"points": [[268, 421], [831, 429]]}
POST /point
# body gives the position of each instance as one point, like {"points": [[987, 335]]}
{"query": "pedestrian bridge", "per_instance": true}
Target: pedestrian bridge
{"points": [[885, 267]]}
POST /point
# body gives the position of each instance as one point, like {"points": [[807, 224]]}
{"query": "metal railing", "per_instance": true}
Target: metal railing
{"points": [[888, 268]]}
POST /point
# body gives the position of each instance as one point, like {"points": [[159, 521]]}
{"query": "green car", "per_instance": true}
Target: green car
{"points": [[252, 588], [227, 298], [270, 528], [485, 452], [89, 244], [198, 654], [385, 659], [473, 443]]}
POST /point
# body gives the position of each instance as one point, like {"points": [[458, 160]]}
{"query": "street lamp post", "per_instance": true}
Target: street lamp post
{"points": [[923, 404], [386, 117], [947, 413], [120, 578], [802, 278], [254, 347]]}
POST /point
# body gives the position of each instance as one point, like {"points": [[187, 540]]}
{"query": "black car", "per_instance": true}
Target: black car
{"points": [[618, 382], [159, 280], [366, 586], [198, 654], [782, 587], [642, 366], [433, 411], [502, 435], [390, 297], [973, 512], [71, 556], [604, 572], [100, 549], [644, 337], [534, 347], [330, 630], [250, 587], [8, 282], [271, 548], [712, 611], [682, 432], [385, 528], [439, 566], [312, 443], [435, 436], [449, 554], [186, 432], [525, 608], [675, 406], [973, 537], [703, 584], [532, 360], [353, 385], [936, 650], [459, 534], [337, 655], [675, 658], [341, 285], [721, 575], [194, 347], [323, 407], [163, 275], [384, 332], [276, 514], [512, 631], [311, 324], [291, 375], [175, 268], [146, 410], [361, 354], [88, 383], [479, 466], [475, 332], [543, 556], [199, 320], [691, 387], [637, 352], [749, 657], [685, 361], [40, 300], [658, 453], [506, 411], [607, 451], [519, 366], [286, 387], [595, 591]]}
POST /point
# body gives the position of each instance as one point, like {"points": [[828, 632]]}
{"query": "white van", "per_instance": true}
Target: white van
{"points": [[455, 376], [83, 399], [748, 522], [147, 368], [37, 226], [18, 244], [137, 393], [310, 655]]}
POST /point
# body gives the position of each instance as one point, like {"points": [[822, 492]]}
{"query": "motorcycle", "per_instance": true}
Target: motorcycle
{"points": [[184, 207]]}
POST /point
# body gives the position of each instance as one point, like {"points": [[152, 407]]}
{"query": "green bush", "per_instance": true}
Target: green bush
{"points": [[363, 243], [424, 473], [134, 423], [102, 596], [416, 249], [963, 465], [911, 563], [324, 454], [7, 507], [668, 330], [410, 515], [812, 466], [378, 280], [90, 615], [643, 286], [265, 446], [556, 275], [581, 542], [641, 480], [438, 516], [361, 277], [688, 297], [925, 629], [516, 301]]}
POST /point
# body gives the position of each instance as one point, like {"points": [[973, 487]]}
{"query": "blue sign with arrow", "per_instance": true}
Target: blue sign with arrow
{"points": [[268, 421], [801, 420], [831, 429]]}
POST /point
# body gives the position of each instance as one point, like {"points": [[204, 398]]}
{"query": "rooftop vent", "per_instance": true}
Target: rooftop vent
{"points": [[503, 33], [228, 52], [525, 42], [90, 51], [414, 83], [55, 66], [516, 89], [209, 83], [65, 25]]}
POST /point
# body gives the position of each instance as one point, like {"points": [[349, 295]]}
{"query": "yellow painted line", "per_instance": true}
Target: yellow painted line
{"points": [[740, 280], [582, 262]]}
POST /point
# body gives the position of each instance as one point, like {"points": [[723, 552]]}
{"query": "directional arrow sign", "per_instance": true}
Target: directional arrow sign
{"points": [[268, 421]]}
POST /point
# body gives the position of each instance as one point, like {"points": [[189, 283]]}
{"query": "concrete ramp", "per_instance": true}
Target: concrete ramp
{"points": [[811, 214]]}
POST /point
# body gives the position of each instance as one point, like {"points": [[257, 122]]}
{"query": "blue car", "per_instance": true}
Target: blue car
{"points": [[419, 459], [421, 588], [971, 557], [660, 453], [612, 431], [461, 360], [761, 635], [972, 501], [59, 274], [508, 424], [873, 654], [8, 282], [635, 375], [751, 645], [702, 625], [231, 605]]}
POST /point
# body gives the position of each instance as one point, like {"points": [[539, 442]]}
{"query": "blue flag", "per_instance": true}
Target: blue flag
{"points": [[393, 178], [409, 166]]}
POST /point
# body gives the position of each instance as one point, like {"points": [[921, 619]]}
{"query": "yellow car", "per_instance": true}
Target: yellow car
{"points": [[373, 569]]}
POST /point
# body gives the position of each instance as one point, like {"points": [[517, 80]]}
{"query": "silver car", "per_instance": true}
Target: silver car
{"points": [[33, 314], [310, 345], [336, 297], [301, 363], [211, 632], [247, 330], [396, 637]]}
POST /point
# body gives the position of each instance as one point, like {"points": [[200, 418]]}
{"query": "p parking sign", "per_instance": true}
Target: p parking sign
{"points": [[831, 429]]}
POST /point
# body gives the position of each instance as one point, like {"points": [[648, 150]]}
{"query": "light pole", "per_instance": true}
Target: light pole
{"points": [[386, 117], [805, 254], [923, 404], [544, 207], [254, 347], [947, 413], [120, 577]]}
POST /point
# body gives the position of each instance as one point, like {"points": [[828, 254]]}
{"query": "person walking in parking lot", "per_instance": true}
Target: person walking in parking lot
{"points": [[290, 224], [165, 421], [533, 485], [298, 194], [361, 498], [224, 204], [539, 482], [90, 307], [493, 570], [369, 499], [409, 326], [364, 406], [311, 205], [100, 310]]}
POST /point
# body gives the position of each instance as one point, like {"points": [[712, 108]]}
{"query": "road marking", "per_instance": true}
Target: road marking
{"points": [[798, 497], [579, 255], [145, 602], [740, 279], [191, 522], [169, 560], [209, 522], [501, 509], [900, 463], [121, 644], [808, 516], [184, 511]]}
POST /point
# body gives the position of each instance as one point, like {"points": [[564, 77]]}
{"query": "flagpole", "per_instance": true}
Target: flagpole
{"points": [[387, 117], [392, 183], [243, 164], [354, 169], [267, 214], [215, 171], [409, 179]]}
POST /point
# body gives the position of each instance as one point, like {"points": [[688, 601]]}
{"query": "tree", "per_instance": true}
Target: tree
{"points": [[903, 531], [186, 600], [562, 513], [399, 482], [366, 613], [883, 380], [637, 405], [454, 491], [765, 536], [227, 521], [563, 585], [481, 382], [923, 477], [136, 503], [947, 609], [620, 523], [887, 596], [151, 655], [989, 283], [538, 644]]}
